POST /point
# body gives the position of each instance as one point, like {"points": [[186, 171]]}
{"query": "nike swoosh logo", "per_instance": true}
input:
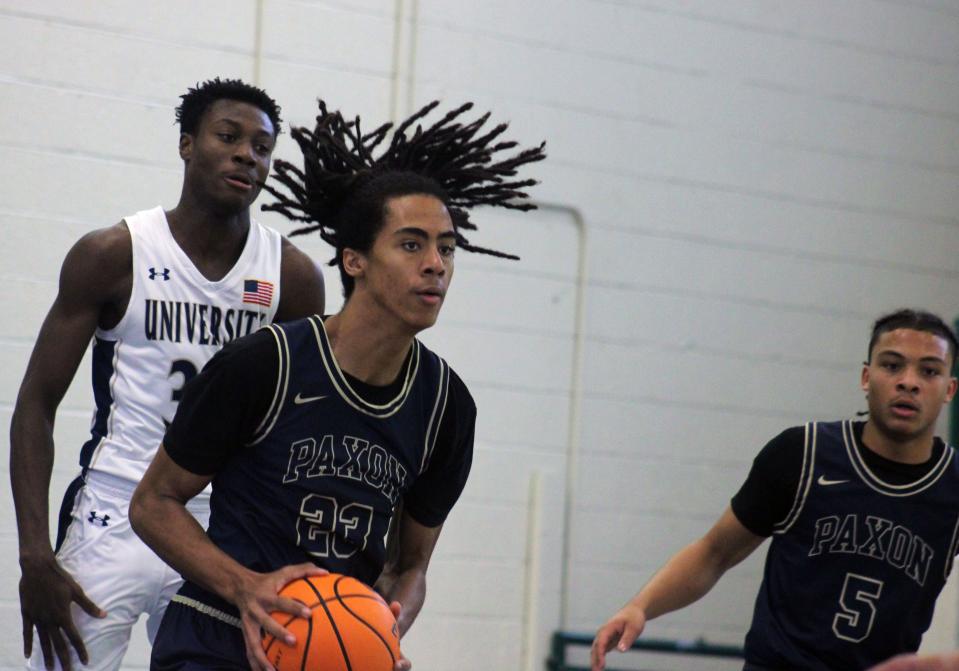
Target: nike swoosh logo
{"points": [[824, 482], [299, 399]]}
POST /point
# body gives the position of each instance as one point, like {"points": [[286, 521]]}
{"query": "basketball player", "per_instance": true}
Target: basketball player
{"points": [[863, 517], [311, 431], [159, 292]]}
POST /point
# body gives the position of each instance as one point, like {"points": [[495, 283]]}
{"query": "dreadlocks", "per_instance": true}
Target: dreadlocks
{"points": [[196, 101], [343, 187]]}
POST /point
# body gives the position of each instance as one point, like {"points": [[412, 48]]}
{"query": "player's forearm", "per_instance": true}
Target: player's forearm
{"points": [[31, 464], [174, 534], [685, 578], [409, 588]]}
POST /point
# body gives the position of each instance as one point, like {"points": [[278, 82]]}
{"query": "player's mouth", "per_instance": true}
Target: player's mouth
{"points": [[904, 409], [240, 181], [431, 296]]}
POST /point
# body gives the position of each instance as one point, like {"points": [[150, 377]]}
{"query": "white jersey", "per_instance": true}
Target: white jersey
{"points": [[175, 321]]}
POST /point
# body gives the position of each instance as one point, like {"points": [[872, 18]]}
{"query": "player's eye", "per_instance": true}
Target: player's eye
{"points": [[226, 137], [410, 245], [890, 365], [931, 372], [447, 250]]}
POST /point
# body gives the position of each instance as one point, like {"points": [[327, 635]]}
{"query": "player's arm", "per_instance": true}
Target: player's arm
{"points": [[685, 578], [159, 516], [219, 412], [428, 502], [94, 288], [404, 581], [425, 507], [302, 291], [764, 501]]}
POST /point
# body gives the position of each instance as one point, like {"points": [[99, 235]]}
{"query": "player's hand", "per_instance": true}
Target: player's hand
{"points": [[259, 596], [620, 632], [46, 592], [943, 662], [402, 664]]}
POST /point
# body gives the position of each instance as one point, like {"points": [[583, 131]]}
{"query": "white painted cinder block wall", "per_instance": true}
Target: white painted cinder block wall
{"points": [[749, 183]]}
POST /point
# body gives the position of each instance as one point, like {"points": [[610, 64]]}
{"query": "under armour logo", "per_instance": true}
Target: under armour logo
{"points": [[94, 518], [165, 274]]}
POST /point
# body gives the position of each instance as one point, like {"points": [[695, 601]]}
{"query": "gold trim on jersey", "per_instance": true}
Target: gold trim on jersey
{"points": [[436, 418], [282, 385], [215, 613], [805, 479], [874, 482], [953, 549], [343, 388]]}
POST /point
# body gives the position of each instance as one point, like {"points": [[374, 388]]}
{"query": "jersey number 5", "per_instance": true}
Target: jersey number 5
{"points": [[323, 528], [858, 604]]}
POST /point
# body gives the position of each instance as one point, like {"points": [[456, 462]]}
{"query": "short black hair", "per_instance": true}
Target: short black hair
{"points": [[197, 99], [343, 189], [916, 320]]}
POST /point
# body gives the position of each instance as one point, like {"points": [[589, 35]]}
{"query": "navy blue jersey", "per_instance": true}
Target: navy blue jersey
{"points": [[306, 468], [319, 480], [853, 572]]}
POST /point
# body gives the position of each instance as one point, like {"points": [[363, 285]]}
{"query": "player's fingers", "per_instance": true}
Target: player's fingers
{"points": [[597, 660], [295, 571], [255, 655], [603, 643], [77, 642], [260, 618], [402, 664], [61, 648], [396, 607], [253, 659], [82, 600], [273, 627], [629, 636], [291, 606], [27, 636], [607, 636], [45, 647]]}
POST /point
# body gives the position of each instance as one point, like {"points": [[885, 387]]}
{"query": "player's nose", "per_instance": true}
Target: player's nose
{"points": [[908, 379], [243, 153], [434, 263]]}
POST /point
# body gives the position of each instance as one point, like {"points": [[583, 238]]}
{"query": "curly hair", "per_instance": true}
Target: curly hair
{"points": [[342, 190], [196, 101]]}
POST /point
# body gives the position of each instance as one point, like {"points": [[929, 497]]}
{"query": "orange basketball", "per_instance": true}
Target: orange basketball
{"points": [[351, 628]]}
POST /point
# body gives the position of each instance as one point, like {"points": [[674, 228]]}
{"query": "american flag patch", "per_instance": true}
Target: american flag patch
{"points": [[258, 292]]}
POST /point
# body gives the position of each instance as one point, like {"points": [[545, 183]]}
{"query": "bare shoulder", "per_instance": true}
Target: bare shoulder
{"points": [[111, 246], [101, 261], [298, 263], [302, 289]]}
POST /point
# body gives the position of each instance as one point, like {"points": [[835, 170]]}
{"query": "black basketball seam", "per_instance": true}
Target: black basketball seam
{"points": [[336, 630], [342, 600], [309, 637]]}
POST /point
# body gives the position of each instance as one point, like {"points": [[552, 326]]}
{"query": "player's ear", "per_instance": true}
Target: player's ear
{"points": [[354, 262], [186, 146], [951, 391], [864, 378]]}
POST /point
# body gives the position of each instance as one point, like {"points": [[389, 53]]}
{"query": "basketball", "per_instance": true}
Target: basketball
{"points": [[351, 628]]}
